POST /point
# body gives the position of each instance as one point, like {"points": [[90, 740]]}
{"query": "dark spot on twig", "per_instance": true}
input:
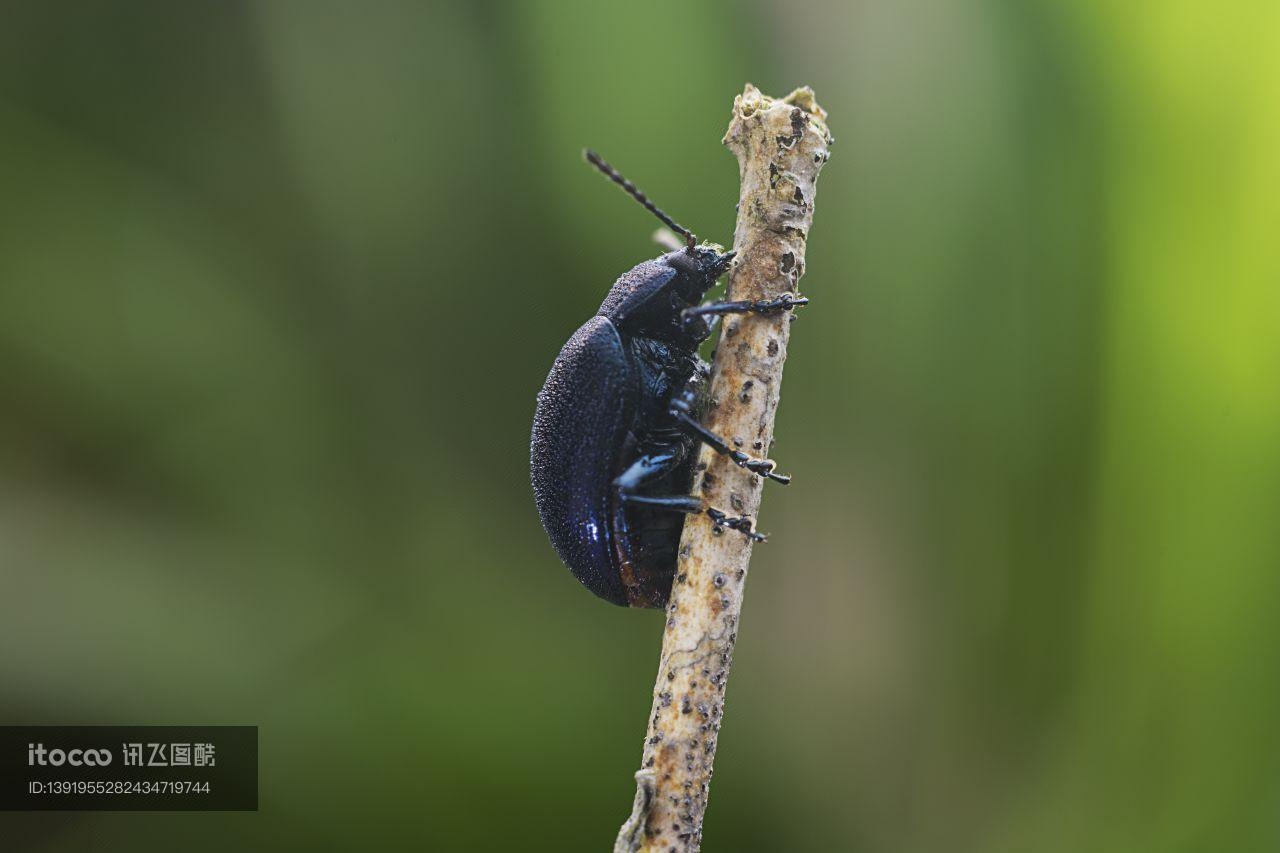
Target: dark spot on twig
{"points": [[799, 120]]}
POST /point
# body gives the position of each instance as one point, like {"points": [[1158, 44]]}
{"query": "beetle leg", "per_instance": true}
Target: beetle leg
{"points": [[785, 302], [675, 503], [696, 326], [693, 506], [740, 523], [690, 398], [763, 467], [652, 464]]}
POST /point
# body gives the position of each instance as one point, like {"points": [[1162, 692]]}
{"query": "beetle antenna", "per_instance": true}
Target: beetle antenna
{"points": [[632, 190]]}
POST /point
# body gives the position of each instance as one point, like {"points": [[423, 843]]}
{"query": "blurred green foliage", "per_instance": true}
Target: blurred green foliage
{"points": [[279, 282]]}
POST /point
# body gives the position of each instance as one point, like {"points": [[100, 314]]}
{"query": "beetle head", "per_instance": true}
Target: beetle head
{"points": [[699, 267]]}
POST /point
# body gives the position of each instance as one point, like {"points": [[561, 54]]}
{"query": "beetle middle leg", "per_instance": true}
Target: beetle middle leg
{"points": [[682, 411]]}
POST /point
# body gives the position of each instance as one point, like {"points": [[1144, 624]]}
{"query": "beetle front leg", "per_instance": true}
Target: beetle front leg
{"points": [[785, 302], [681, 410]]}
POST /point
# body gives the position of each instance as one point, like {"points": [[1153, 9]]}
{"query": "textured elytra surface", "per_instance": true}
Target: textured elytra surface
{"points": [[781, 145], [583, 414]]}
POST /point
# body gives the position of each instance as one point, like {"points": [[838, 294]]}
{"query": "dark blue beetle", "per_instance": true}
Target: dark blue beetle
{"points": [[616, 428]]}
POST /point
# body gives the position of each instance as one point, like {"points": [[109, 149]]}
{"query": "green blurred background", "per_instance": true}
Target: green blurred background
{"points": [[278, 285]]}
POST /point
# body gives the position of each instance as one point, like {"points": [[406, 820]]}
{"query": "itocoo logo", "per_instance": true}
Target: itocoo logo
{"points": [[37, 754]]}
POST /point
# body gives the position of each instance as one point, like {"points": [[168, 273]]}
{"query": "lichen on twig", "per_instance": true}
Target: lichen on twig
{"points": [[781, 145]]}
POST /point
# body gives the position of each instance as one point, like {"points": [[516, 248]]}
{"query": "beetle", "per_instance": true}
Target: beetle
{"points": [[616, 427]]}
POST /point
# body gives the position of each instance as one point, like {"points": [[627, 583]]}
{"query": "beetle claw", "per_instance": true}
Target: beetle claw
{"points": [[760, 467], [742, 524]]}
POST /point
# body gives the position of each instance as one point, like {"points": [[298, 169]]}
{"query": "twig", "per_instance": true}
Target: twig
{"points": [[781, 144]]}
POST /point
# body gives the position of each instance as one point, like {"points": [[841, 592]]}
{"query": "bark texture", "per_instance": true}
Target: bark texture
{"points": [[781, 145]]}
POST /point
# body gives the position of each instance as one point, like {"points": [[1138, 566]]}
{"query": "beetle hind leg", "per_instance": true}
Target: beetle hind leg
{"points": [[693, 506], [662, 460], [653, 465], [675, 503]]}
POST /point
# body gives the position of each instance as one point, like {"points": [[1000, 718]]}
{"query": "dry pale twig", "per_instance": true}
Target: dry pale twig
{"points": [[781, 144]]}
